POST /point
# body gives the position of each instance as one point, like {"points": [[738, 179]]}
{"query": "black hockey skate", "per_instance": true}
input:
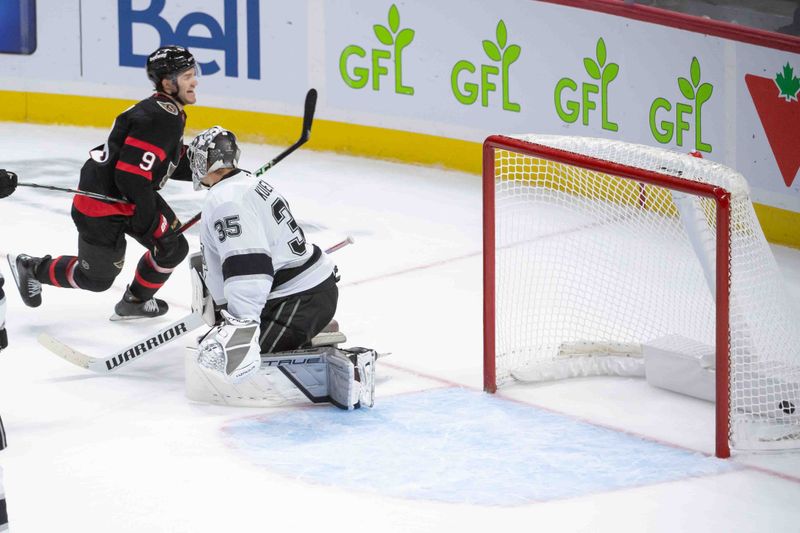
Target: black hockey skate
{"points": [[131, 307], [24, 267]]}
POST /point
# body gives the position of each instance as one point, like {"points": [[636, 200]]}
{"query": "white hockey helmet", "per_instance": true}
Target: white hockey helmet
{"points": [[211, 150]]}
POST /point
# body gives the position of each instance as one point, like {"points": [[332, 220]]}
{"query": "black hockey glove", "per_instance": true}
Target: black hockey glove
{"points": [[8, 182], [3, 339], [165, 236]]}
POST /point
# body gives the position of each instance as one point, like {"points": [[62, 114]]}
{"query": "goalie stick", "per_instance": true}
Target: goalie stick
{"points": [[102, 365], [164, 336]]}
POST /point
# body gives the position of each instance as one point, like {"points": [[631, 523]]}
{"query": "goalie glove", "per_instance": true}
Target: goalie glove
{"points": [[231, 348]]}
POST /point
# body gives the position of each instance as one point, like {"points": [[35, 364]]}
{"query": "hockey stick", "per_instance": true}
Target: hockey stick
{"points": [[308, 119], [340, 245], [105, 365], [95, 195], [189, 223]]}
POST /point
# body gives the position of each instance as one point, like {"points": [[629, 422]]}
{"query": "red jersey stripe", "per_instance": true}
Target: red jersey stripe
{"points": [[144, 283], [52, 271], [95, 208], [133, 169], [146, 146], [71, 272]]}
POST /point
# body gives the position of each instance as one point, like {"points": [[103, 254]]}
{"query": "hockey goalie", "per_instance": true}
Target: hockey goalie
{"points": [[268, 295]]}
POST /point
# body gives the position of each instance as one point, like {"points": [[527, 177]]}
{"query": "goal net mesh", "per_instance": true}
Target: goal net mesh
{"points": [[583, 256]]}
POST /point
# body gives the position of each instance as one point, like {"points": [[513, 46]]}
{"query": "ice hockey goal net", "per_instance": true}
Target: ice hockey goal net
{"points": [[594, 248]]}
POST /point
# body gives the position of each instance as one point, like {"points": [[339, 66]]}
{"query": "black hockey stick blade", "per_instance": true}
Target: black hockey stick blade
{"points": [[308, 113], [308, 119]]}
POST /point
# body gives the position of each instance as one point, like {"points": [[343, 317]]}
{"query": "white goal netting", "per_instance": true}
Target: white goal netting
{"points": [[585, 258]]}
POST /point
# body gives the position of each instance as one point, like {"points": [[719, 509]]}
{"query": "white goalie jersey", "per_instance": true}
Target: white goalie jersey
{"points": [[253, 249]]}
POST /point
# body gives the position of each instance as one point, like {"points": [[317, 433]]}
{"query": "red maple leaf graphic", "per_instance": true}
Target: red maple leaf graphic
{"points": [[781, 121]]}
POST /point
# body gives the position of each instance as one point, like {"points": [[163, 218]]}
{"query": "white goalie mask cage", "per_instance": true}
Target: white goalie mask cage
{"points": [[211, 150]]}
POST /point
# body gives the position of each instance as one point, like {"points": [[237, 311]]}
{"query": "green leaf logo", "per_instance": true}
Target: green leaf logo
{"points": [[788, 83], [394, 18], [491, 50], [600, 51], [383, 35], [695, 71], [404, 37], [386, 35], [598, 70], [704, 92], [610, 73], [498, 51], [686, 88], [591, 67], [693, 89], [511, 54], [501, 34]]}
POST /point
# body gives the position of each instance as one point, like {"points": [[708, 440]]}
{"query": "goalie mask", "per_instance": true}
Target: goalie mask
{"points": [[211, 150]]}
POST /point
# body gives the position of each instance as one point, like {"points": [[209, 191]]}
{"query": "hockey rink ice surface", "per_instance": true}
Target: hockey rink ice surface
{"points": [[127, 452]]}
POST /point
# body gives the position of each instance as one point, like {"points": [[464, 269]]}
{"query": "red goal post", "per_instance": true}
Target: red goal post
{"points": [[512, 173]]}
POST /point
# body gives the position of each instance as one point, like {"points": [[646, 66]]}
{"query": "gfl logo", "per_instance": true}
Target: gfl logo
{"points": [[222, 37]]}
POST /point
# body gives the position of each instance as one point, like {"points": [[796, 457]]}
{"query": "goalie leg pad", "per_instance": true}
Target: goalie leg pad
{"points": [[364, 361], [351, 378], [344, 378], [342, 386]]}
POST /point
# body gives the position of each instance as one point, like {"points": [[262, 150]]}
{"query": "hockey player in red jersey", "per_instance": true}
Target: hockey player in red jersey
{"points": [[144, 149]]}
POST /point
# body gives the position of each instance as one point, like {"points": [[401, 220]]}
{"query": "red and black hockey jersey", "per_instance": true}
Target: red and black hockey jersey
{"points": [[144, 149]]}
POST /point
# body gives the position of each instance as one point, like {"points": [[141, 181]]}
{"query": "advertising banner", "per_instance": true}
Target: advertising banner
{"points": [[18, 27], [456, 69]]}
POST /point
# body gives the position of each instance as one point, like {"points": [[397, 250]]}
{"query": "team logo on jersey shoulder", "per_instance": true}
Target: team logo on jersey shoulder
{"points": [[168, 107]]}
